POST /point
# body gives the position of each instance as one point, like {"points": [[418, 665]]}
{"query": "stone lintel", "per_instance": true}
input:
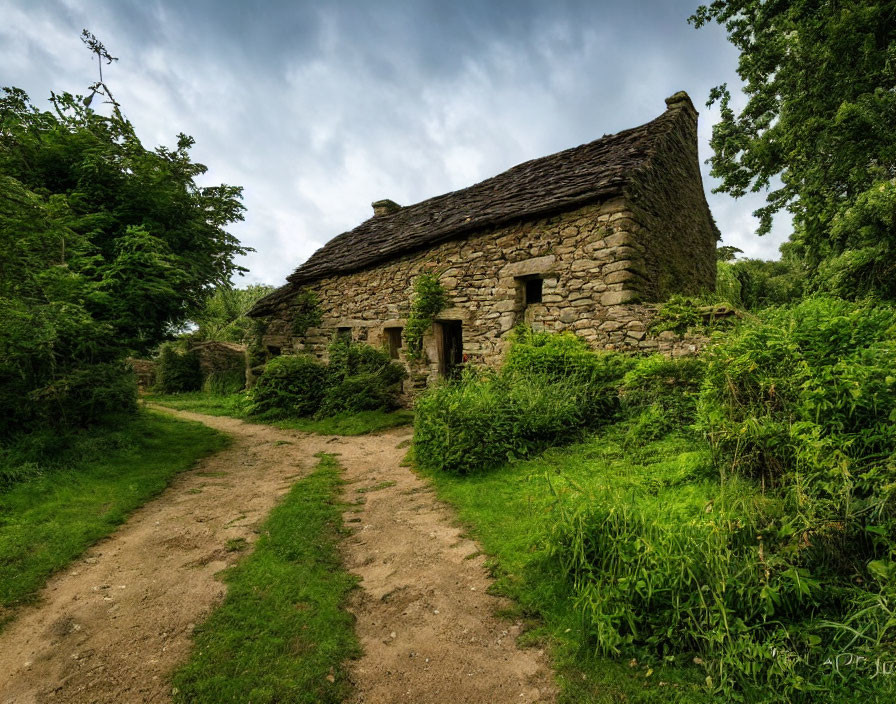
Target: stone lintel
{"points": [[530, 267]]}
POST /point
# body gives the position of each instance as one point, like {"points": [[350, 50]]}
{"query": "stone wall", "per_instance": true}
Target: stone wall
{"points": [[215, 356], [668, 202], [594, 270], [144, 370]]}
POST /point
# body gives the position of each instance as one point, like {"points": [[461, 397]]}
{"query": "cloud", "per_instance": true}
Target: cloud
{"points": [[318, 109]]}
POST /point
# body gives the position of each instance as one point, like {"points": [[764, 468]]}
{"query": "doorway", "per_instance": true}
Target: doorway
{"points": [[451, 348]]}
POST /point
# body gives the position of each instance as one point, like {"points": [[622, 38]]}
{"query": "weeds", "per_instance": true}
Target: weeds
{"points": [[550, 389]]}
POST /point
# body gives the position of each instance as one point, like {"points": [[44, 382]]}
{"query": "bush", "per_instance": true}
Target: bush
{"points": [[563, 357], [225, 383], [360, 378], [482, 421], [357, 378], [550, 388], [290, 386], [762, 283], [177, 370], [660, 395], [802, 387]]}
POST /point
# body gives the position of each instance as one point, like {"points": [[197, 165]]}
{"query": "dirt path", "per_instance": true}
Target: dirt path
{"points": [[114, 625]]}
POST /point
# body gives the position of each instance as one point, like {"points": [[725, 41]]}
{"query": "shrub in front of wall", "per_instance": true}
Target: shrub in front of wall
{"points": [[225, 383], [291, 385], [178, 370], [551, 387], [360, 378], [484, 419], [659, 394], [563, 357]]}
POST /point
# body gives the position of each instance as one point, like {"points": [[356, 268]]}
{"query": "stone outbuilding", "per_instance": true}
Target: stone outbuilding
{"points": [[582, 240]]}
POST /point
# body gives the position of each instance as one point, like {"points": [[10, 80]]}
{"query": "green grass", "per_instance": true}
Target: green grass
{"points": [[282, 633], [201, 402], [89, 489], [235, 406], [510, 511]]}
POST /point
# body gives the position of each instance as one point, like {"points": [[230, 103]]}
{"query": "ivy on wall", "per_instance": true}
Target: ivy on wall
{"points": [[308, 315], [429, 298]]}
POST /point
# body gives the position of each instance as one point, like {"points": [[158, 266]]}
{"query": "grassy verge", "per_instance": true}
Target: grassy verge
{"points": [[282, 633], [88, 490], [234, 405], [511, 509]]}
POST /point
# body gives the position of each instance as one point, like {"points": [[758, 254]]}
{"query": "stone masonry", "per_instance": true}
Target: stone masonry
{"points": [[600, 264]]}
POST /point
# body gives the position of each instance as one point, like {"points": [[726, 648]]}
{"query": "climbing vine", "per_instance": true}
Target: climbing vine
{"points": [[308, 315], [429, 299]]}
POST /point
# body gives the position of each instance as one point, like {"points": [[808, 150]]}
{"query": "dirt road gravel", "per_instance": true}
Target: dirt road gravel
{"points": [[114, 625]]}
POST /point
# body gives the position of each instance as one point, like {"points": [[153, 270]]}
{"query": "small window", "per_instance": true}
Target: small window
{"points": [[533, 291], [344, 334], [393, 341], [273, 351]]}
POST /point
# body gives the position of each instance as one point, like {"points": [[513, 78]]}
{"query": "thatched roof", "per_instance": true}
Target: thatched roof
{"points": [[591, 172]]}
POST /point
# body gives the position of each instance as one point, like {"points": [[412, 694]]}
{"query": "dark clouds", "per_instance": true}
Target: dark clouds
{"points": [[320, 108]]}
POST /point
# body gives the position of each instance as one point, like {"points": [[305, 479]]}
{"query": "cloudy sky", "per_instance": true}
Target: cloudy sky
{"points": [[319, 108]]}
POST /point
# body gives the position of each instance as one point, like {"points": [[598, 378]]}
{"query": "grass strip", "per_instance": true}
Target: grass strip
{"points": [[234, 405], [88, 491], [510, 510], [282, 633]]}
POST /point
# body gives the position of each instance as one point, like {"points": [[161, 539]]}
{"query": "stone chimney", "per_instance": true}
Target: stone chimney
{"points": [[680, 100], [385, 207]]}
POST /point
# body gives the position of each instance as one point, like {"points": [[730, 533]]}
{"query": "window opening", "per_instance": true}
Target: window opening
{"points": [[532, 291], [344, 334]]}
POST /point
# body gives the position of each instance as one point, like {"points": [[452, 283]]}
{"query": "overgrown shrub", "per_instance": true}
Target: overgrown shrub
{"points": [[802, 388], [762, 283], [788, 562], [728, 286], [550, 388], [659, 394], [224, 383], [78, 398], [360, 378], [178, 370], [483, 420], [357, 378], [291, 385]]}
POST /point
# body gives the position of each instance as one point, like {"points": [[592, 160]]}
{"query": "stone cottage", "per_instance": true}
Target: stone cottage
{"points": [[582, 240]]}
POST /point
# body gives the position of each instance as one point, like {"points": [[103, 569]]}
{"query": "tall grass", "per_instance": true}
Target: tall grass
{"points": [[767, 552], [551, 388]]}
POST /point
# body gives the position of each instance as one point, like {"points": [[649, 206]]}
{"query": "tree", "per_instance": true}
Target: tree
{"points": [[821, 90], [105, 248], [223, 317]]}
